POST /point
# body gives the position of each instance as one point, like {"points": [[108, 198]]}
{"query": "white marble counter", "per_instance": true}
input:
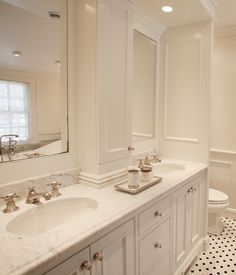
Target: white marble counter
{"points": [[31, 254]]}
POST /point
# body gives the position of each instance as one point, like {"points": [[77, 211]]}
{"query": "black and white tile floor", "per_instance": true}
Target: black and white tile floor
{"points": [[220, 259]]}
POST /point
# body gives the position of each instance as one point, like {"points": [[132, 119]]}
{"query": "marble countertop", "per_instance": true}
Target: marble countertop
{"points": [[30, 254]]}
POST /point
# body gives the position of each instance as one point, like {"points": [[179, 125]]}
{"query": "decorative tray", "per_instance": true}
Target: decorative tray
{"points": [[142, 185]]}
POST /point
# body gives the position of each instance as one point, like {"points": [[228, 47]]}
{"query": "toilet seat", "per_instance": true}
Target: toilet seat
{"points": [[217, 197]]}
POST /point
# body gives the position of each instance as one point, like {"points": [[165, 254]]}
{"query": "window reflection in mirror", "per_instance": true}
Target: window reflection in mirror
{"points": [[144, 87], [33, 78]]}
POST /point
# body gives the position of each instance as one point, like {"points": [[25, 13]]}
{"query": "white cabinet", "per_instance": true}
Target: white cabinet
{"points": [[104, 34], [187, 213], [167, 236], [114, 78], [153, 248], [155, 239], [112, 254]]}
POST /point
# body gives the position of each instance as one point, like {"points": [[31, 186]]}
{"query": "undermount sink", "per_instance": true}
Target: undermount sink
{"points": [[167, 168], [47, 216]]}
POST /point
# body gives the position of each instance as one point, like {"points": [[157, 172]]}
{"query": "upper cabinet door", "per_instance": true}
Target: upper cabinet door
{"points": [[114, 79]]}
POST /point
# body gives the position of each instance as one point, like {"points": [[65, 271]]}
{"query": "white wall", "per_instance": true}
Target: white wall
{"points": [[223, 130], [184, 105]]}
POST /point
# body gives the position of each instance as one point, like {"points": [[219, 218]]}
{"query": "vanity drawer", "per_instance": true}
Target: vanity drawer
{"points": [[154, 215], [154, 247]]}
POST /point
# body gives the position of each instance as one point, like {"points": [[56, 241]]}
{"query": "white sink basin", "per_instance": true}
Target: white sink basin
{"points": [[48, 216], [165, 169]]}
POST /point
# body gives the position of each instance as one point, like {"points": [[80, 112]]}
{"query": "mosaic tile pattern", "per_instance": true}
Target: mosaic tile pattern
{"points": [[220, 259]]}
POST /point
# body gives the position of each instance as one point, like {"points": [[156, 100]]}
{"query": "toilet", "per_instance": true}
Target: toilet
{"points": [[217, 202]]}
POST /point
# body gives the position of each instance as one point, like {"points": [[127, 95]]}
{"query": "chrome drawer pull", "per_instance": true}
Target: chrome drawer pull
{"points": [[157, 214], [157, 245]]}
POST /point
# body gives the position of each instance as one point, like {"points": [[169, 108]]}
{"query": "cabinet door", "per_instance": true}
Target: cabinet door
{"points": [[114, 253], [180, 225], [195, 208], [153, 247], [114, 79], [72, 266], [163, 267]]}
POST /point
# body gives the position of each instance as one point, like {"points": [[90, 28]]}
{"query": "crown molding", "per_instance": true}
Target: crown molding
{"points": [[147, 24], [209, 6]]}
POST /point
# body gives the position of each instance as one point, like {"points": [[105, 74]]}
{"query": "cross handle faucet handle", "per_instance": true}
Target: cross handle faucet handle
{"points": [[10, 203], [54, 192]]}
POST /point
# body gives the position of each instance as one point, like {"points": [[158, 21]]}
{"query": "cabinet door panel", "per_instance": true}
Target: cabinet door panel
{"points": [[115, 34], [72, 266], [180, 223], [117, 249], [195, 211], [163, 267]]}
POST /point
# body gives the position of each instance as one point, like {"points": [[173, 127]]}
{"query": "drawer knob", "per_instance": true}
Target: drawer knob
{"points": [[157, 214], [98, 256], [130, 148], [86, 265], [157, 245]]}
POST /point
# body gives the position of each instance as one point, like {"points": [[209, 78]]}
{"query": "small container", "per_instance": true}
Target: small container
{"points": [[146, 173], [133, 178]]}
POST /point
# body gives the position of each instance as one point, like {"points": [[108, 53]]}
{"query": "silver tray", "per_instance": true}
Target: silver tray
{"points": [[142, 185]]}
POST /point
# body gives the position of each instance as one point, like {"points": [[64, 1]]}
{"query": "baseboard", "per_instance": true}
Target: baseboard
{"points": [[230, 213], [191, 257], [114, 177]]}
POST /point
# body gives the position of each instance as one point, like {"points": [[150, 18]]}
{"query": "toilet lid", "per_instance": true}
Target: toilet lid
{"points": [[216, 196]]}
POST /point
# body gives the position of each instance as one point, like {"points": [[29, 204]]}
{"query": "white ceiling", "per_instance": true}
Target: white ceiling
{"points": [[188, 11], [226, 13], [31, 31], [185, 11]]}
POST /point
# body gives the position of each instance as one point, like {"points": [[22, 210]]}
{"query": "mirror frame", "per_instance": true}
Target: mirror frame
{"points": [[151, 29]]}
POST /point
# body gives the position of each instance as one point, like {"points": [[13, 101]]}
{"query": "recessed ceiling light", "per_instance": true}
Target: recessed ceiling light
{"points": [[58, 62], [167, 9], [17, 53]]}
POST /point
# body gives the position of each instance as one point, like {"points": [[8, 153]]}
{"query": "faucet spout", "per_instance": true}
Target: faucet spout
{"points": [[34, 196]]}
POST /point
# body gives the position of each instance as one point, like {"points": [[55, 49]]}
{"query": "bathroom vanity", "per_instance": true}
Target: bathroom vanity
{"points": [[159, 231]]}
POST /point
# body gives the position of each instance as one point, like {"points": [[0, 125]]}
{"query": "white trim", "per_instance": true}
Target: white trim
{"points": [[146, 25], [114, 177], [231, 210], [222, 151], [192, 140], [224, 164], [142, 135]]}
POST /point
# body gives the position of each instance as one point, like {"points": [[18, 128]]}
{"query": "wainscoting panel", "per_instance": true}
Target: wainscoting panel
{"points": [[182, 84]]}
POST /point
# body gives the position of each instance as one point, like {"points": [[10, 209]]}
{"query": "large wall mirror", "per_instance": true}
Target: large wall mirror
{"points": [[33, 78], [144, 87]]}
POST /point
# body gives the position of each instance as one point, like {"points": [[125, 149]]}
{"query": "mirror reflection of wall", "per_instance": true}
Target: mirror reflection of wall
{"points": [[144, 87], [33, 83]]}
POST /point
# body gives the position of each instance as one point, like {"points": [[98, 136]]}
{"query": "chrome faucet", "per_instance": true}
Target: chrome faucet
{"points": [[34, 197], [10, 147]]}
